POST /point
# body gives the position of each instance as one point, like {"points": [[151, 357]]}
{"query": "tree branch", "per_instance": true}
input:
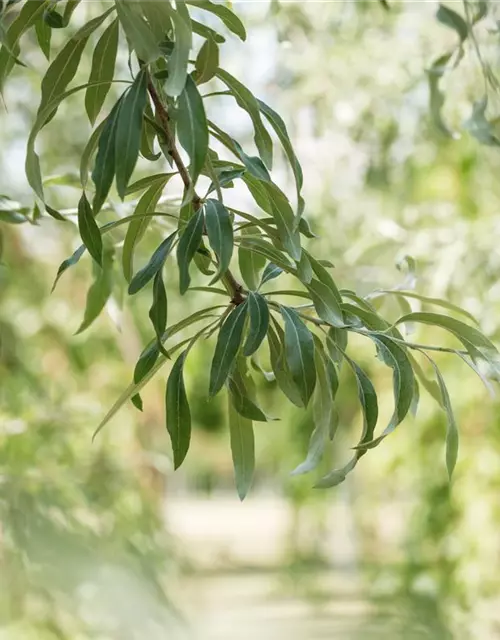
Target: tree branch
{"points": [[235, 289]]}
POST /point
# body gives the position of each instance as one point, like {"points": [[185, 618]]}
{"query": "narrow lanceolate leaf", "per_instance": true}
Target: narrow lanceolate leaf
{"points": [[246, 100], [179, 58], [29, 14], [228, 17], [128, 131], [220, 234], [323, 276], [464, 332], [452, 436], [242, 393], [258, 312], [192, 127], [395, 357], [253, 164], [369, 407], [158, 311], [43, 36], [178, 413], [99, 291], [146, 361], [304, 269], [276, 340], [299, 352], [336, 343], [280, 129], [89, 231], [326, 305], [242, 450], [69, 262], [226, 349], [324, 394], [104, 167], [137, 30], [250, 263], [102, 71], [453, 20], [88, 153], [65, 65], [137, 228], [187, 247], [207, 61], [154, 265], [271, 272], [284, 218]]}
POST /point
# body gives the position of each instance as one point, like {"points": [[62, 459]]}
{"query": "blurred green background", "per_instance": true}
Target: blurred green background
{"points": [[102, 540]]}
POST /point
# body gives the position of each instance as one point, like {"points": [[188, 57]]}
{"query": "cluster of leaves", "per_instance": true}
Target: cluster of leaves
{"points": [[172, 55]]}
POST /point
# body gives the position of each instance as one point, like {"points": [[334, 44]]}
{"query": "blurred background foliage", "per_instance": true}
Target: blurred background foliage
{"points": [[85, 550]]}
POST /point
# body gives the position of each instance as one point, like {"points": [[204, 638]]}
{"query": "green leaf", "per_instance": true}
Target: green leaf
{"points": [[89, 231], [104, 167], [265, 249], [102, 71], [271, 272], [452, 19], [276, 340], [65, 65], [207, 61], [43, 36], [128, 131], [465, 333], [369, 406], [137, 228], [226, 349], [299, 353], [179, 58], [403, 383], [187, 247], [88, 153], [247, 101], [479, 127], [220, 234], [159, 18], [436, 96], [242, 393], [134, 388], [99, 291], [284, 218], [304, 269], [228, 17], [146, 361], [324, 394], [325, 303], [30, 12], [337, 343], [137, 30], [69, 262], [279, 127], [206, 32], [452, 436], [242, 449], [434, 301], [258, 312], [253, 164], [323, 276], [192, 127], [154, 265], [158, 311], [178, 413], [250, 264], [431, 386]]}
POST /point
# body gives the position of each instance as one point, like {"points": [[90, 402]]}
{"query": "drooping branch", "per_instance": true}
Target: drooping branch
{"points": [[234, 287]]}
